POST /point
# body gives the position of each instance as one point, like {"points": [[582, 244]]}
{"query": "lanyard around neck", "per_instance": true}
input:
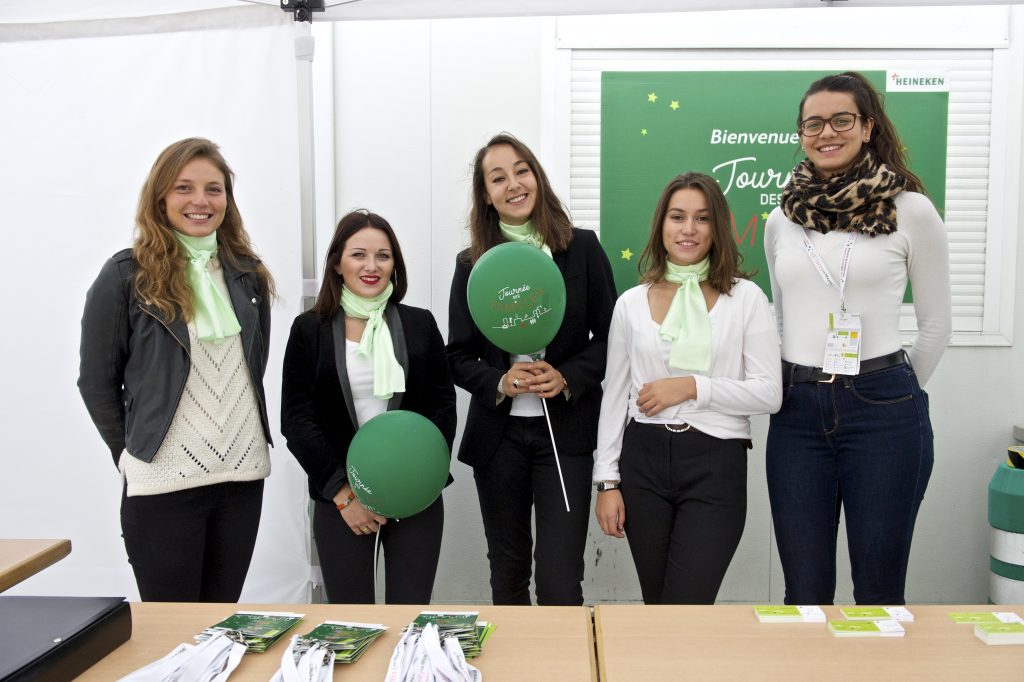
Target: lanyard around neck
{"points": [[844, 265]]}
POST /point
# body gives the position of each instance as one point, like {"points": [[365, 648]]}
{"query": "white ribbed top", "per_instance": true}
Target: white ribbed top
{"points": [[216, 434], [878, 272]]}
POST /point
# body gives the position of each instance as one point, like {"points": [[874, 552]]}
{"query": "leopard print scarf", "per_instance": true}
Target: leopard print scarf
{"points": [[859, 200]]}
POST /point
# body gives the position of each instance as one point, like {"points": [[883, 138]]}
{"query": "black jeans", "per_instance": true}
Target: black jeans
{"points": [[411, 549], [193, 545], [522, 476], [686, 504]]}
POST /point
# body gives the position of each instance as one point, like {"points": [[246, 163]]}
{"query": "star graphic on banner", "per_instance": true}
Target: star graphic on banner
{"points": [[895, 76], [651, 97], [764, 216], [674, 105], [627, 254], [643, 131]]}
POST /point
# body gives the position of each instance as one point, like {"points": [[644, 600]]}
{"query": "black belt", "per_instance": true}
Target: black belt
{"points": [[801, 374]]}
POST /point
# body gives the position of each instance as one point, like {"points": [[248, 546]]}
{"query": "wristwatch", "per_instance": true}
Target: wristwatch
{"points": [[607, 485]]}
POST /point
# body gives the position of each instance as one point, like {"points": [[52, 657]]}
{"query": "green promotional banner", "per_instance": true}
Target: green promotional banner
{"points": [[740, 128]]}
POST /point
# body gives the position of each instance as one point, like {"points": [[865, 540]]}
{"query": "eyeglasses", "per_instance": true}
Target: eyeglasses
{"points": [[841, 122]]}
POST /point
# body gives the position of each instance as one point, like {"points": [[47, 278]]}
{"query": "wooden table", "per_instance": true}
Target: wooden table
{"points": [[530, 643], [20, 559], [727, 642]]}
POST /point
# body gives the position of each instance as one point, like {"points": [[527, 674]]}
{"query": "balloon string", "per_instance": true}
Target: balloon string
{"points": [[376, 550], [558, 464]]}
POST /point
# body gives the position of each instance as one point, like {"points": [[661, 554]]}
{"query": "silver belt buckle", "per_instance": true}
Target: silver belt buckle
{"points": [[686, 427], [830, 380]]}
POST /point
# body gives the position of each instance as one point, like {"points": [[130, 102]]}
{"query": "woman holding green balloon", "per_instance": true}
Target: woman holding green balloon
{"points": [[359, 353], [506, 440], [693, 350]]}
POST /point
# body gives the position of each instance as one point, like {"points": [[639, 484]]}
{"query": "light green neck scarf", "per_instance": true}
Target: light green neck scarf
{"points": [[214, 317], [375, 343], [687, 324], [524, 233]]}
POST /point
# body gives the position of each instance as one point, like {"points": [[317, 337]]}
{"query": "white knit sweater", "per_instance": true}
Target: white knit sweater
{"points": [[216, 434]]}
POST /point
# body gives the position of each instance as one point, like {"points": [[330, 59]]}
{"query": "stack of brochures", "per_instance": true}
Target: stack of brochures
{"points": [[789, 614], [900, 613], [993, 627], [436, 645], [976, 617], [1000, 633], [866, 628], [348, 641], [258, 630], [462, 625]]}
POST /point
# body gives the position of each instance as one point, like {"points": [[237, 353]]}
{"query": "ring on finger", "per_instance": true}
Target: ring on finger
{"points": [[365, 529], [515, 383]]}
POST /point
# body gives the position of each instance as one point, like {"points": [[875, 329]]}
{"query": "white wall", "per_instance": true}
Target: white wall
{"points": [[427, 95]]}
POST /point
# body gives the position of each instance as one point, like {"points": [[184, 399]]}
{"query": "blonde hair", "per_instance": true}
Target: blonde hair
{"points": [[160, 278]]}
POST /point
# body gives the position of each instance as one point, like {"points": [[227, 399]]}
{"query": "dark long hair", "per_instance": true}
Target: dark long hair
{"points": [[549, 219], [884, 142], [725, 257], [160, 278], [329, 298]]}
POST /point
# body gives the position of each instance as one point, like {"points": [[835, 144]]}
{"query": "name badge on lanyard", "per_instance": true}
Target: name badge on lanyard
{"points": [[843, 336]]}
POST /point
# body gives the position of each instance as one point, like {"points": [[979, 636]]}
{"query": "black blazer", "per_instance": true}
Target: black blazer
{"points": [[318, 416], [578, 351]]}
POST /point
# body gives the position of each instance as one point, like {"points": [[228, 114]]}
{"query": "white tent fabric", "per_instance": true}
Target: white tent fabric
{"points": [[94, 113], [25, 11]]}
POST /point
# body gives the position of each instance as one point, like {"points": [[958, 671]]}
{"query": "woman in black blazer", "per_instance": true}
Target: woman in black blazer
{"points": [[506, 440], [357, 353]]}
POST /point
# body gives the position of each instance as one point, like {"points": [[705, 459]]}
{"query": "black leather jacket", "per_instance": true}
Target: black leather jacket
{"points": [[134, 365]]}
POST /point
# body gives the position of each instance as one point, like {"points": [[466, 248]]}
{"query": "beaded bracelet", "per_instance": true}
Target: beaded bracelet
{"points": [[347, 502]]}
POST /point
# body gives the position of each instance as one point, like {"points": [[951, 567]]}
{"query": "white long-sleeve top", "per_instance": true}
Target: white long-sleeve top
{"points": [[744, 377], [876, 281]]}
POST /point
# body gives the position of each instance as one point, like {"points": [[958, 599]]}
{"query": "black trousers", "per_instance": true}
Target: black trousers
{"points": [[522, 477], [411, 549], [686, 503], [193, 545]]}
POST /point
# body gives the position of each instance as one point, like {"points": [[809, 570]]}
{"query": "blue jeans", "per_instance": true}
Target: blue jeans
{"points": [[864, 443]]}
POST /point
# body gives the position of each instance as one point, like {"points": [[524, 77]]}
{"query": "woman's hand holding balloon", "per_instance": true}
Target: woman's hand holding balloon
{"points": [[517, 379], [547, 382], [357, 517]]}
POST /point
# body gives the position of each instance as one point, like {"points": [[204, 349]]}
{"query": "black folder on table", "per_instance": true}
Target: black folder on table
{"points": [[58, 638]]}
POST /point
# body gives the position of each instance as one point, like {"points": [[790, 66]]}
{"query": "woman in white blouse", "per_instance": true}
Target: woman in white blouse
{"points": [[692, 352]]}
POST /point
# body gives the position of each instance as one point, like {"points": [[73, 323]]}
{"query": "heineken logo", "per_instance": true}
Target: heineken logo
{"points": [[916, 81]]}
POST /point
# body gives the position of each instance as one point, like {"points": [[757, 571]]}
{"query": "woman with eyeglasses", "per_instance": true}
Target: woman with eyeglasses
{"points": [[853, 435]]}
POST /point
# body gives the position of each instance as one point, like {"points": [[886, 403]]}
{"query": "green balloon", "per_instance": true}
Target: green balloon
{"points": [[398, 464], [516, 297]]}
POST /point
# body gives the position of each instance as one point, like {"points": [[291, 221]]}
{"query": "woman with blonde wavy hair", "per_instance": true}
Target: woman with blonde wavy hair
{"points": [[174, 346]]}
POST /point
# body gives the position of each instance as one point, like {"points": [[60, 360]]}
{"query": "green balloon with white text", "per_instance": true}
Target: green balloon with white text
{"points": [[398, 464], [516, 297]]}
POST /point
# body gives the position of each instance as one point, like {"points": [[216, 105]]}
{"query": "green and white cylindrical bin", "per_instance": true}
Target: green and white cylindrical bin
{"points": [[1006, 516]]}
